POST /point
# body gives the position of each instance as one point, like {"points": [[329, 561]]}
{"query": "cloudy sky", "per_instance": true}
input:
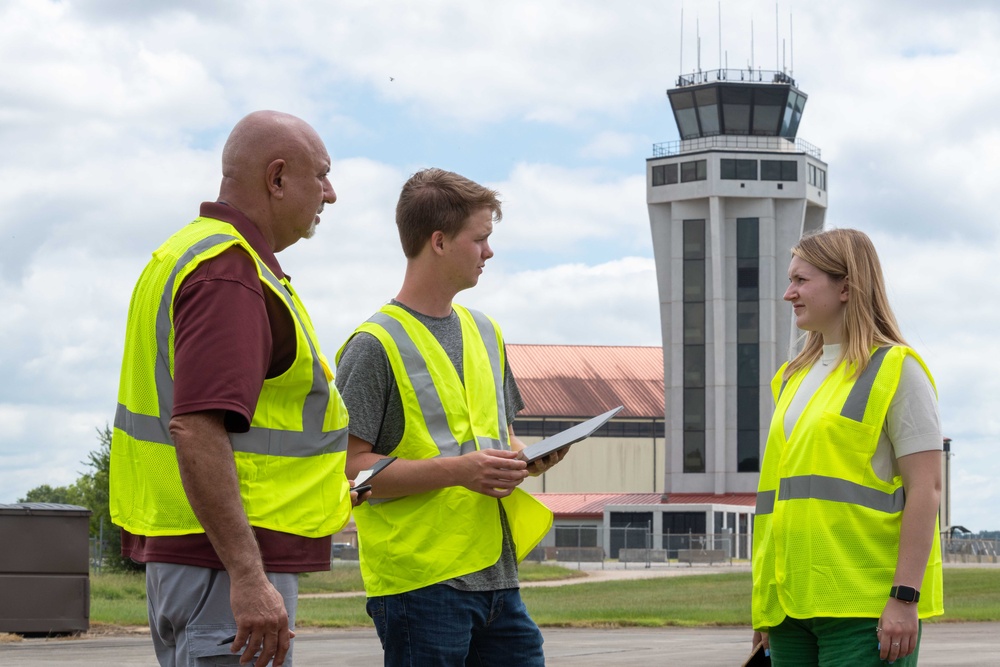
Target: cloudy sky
{"points": [[113, 114]]}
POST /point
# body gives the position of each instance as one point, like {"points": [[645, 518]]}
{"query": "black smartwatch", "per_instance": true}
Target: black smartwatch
{"points": [[905, 594]]}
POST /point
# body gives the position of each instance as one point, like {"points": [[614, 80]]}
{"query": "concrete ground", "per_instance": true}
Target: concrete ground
{"points": [[943, 644]]}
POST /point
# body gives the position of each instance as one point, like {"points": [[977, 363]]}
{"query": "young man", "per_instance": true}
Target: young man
{"points": [[427, 381], [227, 460]]}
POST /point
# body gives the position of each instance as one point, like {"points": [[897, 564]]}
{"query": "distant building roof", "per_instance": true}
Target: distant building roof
{"points": [[591, 505], [585, 380]]}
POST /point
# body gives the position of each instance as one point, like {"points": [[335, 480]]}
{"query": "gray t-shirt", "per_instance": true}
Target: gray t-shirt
{"points": [[368, 386]]}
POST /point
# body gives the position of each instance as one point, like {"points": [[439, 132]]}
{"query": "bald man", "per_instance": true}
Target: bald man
{"points": [[227, 461]]}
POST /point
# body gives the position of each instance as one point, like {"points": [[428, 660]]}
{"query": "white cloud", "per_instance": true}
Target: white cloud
{"points": [[614, 144], [614, 303], [550, 209]]}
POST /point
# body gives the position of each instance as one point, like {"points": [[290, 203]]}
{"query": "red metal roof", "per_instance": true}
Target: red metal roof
{"points": [[585, 380], [591, 505]]}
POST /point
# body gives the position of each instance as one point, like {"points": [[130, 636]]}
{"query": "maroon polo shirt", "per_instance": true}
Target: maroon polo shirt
{"points": [[230, 333]]}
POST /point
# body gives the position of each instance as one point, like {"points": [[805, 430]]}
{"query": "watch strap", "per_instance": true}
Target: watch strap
{"points": [[905, 593]]}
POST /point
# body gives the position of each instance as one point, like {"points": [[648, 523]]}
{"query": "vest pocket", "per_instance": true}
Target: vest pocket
{"points": [[841, 447]]}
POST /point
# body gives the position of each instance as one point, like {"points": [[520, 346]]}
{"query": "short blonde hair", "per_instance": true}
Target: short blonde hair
{"points": [[848, 254]]}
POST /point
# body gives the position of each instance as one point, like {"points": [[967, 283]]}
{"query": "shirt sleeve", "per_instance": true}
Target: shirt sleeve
{"points": [[222, 340], [365, 381], [513, 402], [913, 423]]}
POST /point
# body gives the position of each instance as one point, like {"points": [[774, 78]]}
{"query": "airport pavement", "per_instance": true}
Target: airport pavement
{"points": [[944, 645]]}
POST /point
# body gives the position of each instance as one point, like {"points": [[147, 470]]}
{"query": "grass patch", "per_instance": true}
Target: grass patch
{"points": [[712, 599], [971, 595], [343, 576], [544, 572], [332, 612], [118, 598]]}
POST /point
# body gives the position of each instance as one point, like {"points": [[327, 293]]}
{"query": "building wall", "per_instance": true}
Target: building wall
{"points": [[604, 465]]}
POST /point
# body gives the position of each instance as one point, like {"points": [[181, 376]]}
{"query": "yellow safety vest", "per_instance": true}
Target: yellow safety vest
{"points": [[415, 541], [291, 462], [826, 532]]}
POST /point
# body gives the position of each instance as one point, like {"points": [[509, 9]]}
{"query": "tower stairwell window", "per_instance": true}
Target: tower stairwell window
{"points": [[747, 345], [694, 346]]}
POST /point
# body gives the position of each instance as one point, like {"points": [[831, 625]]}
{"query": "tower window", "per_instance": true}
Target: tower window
{"points": [[695, 170], [738, 170], [817, 177], [664, 174], [748, 343], [779, 170], [694, 246]]}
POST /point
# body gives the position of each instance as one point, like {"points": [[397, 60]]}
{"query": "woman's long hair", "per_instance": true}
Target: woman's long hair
{"points": [[848, 254]]}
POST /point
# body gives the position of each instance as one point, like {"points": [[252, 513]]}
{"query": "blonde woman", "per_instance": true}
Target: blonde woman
{"points": [[846, 559]]}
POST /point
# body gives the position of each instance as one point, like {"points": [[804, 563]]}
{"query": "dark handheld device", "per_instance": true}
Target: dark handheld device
{"points": [[361, 484], [566, 438]]}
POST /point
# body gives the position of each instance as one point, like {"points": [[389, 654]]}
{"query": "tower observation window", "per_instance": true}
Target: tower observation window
{"points": [[738, 170], [695, 170], [779, 170], [664, 174]]}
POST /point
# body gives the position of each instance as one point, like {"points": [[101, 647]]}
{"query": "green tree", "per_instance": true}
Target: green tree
{"points": [[61, 495]]}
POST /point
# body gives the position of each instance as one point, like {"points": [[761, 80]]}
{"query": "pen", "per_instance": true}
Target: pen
{"points": [[227, 640]]}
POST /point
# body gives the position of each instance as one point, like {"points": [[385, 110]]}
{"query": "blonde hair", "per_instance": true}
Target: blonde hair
{"points": [[848, 254]]}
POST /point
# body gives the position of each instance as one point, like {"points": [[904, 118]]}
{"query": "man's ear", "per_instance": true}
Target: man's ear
{"points": [[275, 178], [437, 242]]}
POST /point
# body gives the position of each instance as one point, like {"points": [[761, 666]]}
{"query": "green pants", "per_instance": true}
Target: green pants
{"points": [[831, 642]]}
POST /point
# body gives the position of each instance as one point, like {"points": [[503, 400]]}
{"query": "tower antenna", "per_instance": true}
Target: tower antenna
{"points": [[697, 40], [791, 45], [681, 69], [777, 30]]}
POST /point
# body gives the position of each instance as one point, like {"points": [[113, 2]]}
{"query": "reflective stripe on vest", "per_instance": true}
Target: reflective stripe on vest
{"points": [[834, 489], [311, 441], [427, 395]]}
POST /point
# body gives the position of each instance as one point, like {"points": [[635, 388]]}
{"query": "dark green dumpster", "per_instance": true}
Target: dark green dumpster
{"points": [[44, 568]]}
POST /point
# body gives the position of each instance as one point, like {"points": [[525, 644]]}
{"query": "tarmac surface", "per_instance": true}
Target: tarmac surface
{"points": [[943, 644]]}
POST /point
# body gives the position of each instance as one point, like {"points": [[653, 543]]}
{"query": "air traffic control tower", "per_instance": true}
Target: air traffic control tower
{"points": [[726, 204]]}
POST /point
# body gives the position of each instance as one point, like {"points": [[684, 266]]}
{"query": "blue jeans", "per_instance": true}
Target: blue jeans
{"points": [[440, 626]]}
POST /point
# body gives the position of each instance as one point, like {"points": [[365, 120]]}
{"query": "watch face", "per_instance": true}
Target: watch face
{"points": [[905, 593]]}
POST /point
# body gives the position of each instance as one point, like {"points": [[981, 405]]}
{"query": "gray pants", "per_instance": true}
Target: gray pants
{"points": [[189, 613]]}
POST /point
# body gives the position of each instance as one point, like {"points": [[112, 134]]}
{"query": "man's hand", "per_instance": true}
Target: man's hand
{"points": [[538, 466], [261, 623], [358, 498], [492, 472]]}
